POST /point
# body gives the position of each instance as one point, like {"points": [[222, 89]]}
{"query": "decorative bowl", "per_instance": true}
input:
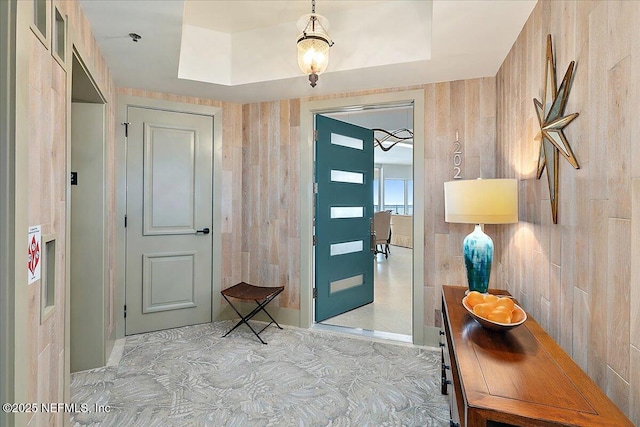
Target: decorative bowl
{"points": [[519, 317]]}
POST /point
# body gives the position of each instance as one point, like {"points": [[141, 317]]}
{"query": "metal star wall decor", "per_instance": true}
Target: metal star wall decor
{"points": [[552, 122]]}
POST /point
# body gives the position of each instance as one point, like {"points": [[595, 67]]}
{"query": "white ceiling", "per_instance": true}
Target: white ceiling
{"points": [[258, 41], [243, 46]]}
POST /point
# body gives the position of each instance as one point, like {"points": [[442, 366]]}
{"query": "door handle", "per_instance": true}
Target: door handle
{"points": [[203, 231]]}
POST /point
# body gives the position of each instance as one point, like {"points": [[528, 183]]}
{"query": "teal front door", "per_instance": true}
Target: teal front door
{"points": [[344, 210]]}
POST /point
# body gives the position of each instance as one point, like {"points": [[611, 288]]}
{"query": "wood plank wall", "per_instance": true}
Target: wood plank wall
{"points": [[466, 107], [47, 207], [47, 183], [271, 197], [271, 235], [580, 278]]}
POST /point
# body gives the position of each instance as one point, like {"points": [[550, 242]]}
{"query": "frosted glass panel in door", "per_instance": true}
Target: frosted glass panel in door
{"points": [[348, 177], [347, 212], [347, 141], [346, 247], [348, 283]]}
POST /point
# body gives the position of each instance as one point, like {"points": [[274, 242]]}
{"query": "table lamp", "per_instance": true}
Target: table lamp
{"points": [[480, 201]]}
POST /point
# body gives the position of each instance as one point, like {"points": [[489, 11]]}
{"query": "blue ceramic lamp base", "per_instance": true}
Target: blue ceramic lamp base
{"points": [[478, 256]]}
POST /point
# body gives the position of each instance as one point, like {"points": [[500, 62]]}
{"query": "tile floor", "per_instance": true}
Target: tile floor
{"points": [[192, 377], [391, 309]]}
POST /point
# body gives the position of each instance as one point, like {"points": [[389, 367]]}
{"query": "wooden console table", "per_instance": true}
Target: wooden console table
{"points": [[519, 377]]}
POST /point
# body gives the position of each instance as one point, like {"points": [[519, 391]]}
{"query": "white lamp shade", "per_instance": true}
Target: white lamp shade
{"points": [[481, 201]]}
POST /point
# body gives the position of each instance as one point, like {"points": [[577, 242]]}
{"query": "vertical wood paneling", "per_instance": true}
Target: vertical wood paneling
{"points": [[46, 150], [598, 248], [48, 98], [593, 249], [597, 118], [271, 192], [429, 240], [618, 390], [568, 289], [261, 203], [429, 117], [618, 296], [634, 395], [619, 176], [634, 105], [555, 300], [231, 199], [444, 137], [580, 323], [634, 300]]}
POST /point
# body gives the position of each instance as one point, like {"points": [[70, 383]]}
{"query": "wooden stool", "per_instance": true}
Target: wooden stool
{"points": [[260, 294]]}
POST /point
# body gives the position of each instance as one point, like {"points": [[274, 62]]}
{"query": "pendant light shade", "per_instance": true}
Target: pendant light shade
{"points": [[313, 44]]}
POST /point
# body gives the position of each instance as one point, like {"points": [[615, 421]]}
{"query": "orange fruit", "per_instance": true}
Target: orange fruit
{"points": [[474, 298], [506, 302], [483, 310], [517, 316], [490, 298], [501, 308], [500, 316]]}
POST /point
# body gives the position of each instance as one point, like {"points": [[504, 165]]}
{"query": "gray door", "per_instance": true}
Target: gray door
{"points": [[344, 211], [87, 246], [169, 214]]}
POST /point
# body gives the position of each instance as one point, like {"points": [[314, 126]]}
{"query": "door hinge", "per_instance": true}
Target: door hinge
{"points": [[125, 221], [125, 311], [315, 135], [126, 128], [315, 292], [315, 188], [315, 240]]}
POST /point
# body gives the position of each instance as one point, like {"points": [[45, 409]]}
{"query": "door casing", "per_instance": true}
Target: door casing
{"points": [[86, 99], [125, 101], [307, 110]]}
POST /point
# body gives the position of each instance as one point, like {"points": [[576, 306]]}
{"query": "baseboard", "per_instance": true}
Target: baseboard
{"points": [[284, 316]]}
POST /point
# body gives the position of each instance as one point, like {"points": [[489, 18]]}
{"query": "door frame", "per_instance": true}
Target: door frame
{"points": [[308, 109], [125, 101], [101, 229]]}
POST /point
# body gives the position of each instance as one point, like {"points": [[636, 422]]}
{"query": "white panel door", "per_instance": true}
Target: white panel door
{"points": [[169, 217]]}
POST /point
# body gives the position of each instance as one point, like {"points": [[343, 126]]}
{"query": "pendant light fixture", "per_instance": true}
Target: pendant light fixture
{"points": [[313, 44]]}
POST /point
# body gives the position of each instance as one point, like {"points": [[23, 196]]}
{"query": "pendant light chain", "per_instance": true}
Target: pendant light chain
{"points": [[313, 6]]}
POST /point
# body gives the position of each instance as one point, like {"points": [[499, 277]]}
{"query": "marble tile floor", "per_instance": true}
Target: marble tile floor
{"points": [[192, 377], [391, 311]]}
